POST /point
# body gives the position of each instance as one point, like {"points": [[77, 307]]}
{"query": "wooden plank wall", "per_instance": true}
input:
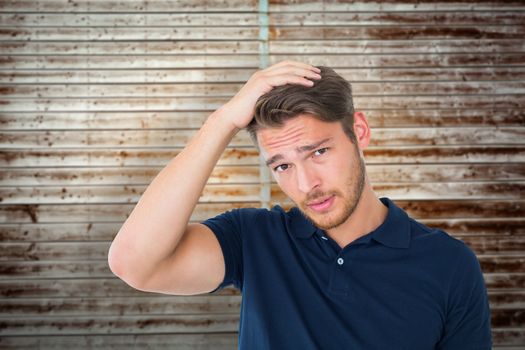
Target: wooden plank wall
{"points": [[96, 96]]}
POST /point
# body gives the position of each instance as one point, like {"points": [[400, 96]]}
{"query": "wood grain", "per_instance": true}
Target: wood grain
{"points": [[96, 97]]}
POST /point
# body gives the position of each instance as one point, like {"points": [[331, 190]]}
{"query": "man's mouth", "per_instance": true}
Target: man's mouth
{"points": [[322, 204]]}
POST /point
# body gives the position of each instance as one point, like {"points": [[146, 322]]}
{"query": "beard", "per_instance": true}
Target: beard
{"points": [[350, 199]]}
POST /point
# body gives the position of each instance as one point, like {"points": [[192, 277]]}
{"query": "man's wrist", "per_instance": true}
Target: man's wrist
{"points": [[220, 120]]}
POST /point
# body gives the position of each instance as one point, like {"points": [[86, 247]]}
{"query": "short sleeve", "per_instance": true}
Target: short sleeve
{"points": [[227, 229], [467, 324]]}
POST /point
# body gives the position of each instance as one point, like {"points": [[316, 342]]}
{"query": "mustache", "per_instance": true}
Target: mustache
{"points": [[317, 194]]}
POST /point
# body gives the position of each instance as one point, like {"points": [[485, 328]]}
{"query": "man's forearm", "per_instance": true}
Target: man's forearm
{"points": [[157, 223]]}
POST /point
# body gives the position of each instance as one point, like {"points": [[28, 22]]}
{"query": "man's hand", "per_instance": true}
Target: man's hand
{"points": [[241, 107]]}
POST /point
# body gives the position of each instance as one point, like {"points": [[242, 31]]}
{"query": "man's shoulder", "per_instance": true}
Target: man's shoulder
{"points": [[256, 216], [440, 241]]}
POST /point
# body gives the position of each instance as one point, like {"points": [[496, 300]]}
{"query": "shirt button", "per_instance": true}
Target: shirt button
{"points": [[340, 261]]}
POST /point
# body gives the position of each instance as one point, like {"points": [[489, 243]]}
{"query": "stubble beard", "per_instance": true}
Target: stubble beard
{"points": [[354, 189]]}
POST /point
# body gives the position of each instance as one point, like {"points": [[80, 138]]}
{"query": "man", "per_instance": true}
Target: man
{"points": [[342, 270]]}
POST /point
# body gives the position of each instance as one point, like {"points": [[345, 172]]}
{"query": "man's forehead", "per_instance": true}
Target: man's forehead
{"points": [[304, 128]]}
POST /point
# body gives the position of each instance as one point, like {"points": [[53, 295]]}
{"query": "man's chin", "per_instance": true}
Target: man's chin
{"points": [[322, 221]]}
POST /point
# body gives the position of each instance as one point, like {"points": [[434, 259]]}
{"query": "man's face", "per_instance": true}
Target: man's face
{"points": [[317, 166]]}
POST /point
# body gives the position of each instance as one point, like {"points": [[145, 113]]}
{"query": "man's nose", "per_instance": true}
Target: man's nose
{"points": [[307, 179]]}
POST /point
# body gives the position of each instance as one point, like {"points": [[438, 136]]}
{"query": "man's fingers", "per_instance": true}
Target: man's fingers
{"points": [[279, 80], [301, 72]]}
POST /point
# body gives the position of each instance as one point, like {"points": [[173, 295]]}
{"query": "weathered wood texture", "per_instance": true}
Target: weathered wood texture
{"points": [[97, 96]]}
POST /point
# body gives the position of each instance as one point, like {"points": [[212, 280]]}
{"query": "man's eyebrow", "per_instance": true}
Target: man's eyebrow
{"points": [[301, 149], [274, 159], [313, 146]]}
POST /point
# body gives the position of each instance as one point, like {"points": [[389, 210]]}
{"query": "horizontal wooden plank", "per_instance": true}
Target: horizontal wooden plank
{"points": [[249, 156], [100, 213], [514, 245], [111, 287], [43, 251], [115, 6], [393, 5], [431, 173], [59, 232], [203, 89], [140, 62], [328, 46], [168, 305], [228, 193], [495, 229], [144, 90], [462, 209], [125, 306], [91, 213], [252, 19], [194, 119], [121, 157], [133, 76], [180, 19], [420, 60], [151, 33], [219, 341], [162, 324], [360, 60], [344, 32], [506, 299], [508, 338], [186, 47], [464, 228], [56, 269], [383, 18], [251, 47], [382, 137], [467, 154], [507, 318], [228, 74], [73, 251], [75, 325], [99, 268], [141, 6], [135, 176], [250, 174], [113, 138], [211, 103], [416, 191], [347, 32]]}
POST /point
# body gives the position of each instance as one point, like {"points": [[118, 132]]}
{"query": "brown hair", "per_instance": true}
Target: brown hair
{"points": [[329, 100]]}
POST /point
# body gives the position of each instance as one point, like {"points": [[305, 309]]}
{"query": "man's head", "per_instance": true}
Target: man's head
{"points": [[311, 138], [329, 100]]}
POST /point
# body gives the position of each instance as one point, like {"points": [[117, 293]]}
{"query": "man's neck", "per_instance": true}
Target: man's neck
{"points": [[368, 215]]}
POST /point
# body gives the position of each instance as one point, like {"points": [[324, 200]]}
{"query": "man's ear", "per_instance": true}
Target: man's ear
{"points": [[361, 130]]}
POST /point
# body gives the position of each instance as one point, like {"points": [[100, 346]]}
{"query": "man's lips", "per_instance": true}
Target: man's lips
{"points": [[321, 204]]}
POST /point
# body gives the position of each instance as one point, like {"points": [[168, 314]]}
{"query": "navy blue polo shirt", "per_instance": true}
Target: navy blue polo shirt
{"points": [[402, 286]]}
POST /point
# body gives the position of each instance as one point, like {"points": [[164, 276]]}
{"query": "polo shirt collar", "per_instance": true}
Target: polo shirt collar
{"points": [[299, 225], [394, 232]]}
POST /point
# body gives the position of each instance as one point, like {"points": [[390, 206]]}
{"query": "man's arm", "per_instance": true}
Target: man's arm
{"points": [[156, 250]]}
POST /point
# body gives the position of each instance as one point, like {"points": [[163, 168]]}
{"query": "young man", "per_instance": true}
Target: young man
{"points": [[342, 270]]}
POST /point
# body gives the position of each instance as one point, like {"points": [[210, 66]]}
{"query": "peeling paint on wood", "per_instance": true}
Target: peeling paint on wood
{"points": [[97, 96]]}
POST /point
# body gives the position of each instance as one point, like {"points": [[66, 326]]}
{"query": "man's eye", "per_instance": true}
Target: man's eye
{"points": [[280, 168], [320, 151]]}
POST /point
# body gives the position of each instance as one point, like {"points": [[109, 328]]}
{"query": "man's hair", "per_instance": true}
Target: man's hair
{"points": [[329, 100]]}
